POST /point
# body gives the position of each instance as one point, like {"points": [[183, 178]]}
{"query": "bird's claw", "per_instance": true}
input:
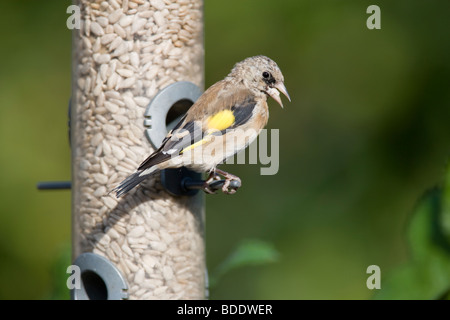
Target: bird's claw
{"points": [[207, 188], [229, 185], [207, 184], [227, 189]]}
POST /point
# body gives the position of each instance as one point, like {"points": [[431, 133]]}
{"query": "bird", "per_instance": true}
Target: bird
{"points": [[224, 120]]}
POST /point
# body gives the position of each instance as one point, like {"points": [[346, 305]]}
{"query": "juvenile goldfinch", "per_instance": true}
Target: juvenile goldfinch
{"points": [[226, 118]]}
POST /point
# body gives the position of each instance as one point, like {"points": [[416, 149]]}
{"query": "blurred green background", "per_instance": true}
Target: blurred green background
{"points": [[366, 134]]}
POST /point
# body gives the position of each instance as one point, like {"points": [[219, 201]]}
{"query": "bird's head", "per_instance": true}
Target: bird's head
{"points": [[261, 74]]}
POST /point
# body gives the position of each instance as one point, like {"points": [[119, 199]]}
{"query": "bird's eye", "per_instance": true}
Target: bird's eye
{"points": [[266, 74]]}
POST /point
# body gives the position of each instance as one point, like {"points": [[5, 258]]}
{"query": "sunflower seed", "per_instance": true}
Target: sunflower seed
{"points": [[97, 29]]}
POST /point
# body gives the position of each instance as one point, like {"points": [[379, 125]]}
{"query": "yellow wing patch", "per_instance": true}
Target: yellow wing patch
{"points": [[221, 120], [218, 122]]}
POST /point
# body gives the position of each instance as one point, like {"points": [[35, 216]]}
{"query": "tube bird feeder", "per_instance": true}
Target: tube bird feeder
{"points": [[148, 244]]}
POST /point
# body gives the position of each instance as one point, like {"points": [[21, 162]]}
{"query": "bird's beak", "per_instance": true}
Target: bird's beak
{"points": [[275, 93], [280, 86]]}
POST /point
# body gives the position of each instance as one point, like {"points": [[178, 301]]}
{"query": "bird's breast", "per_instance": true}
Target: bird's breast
{"points": [[261, 116]]}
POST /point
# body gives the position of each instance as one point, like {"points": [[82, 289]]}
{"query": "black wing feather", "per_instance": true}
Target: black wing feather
{"points": [[171, 145], [242, 112]]}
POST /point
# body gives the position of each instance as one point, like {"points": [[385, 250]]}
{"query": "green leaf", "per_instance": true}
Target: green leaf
{"points": [[248, 252], [427, 275], [422, 229]]}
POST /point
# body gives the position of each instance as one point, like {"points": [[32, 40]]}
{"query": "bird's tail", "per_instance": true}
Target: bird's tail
{"points": [[132, 181]]}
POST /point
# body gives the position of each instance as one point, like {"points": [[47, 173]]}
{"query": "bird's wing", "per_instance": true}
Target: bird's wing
{"points": [[205, 118], [219, 110]]}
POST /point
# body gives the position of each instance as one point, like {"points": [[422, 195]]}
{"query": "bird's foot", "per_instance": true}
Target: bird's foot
{"points": [[207, 184], [232, 182], [229, 184], [207, 188]]}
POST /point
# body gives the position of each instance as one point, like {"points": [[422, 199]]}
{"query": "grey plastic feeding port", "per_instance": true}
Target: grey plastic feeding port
{"points": [[100, 279], [167, 108]]}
